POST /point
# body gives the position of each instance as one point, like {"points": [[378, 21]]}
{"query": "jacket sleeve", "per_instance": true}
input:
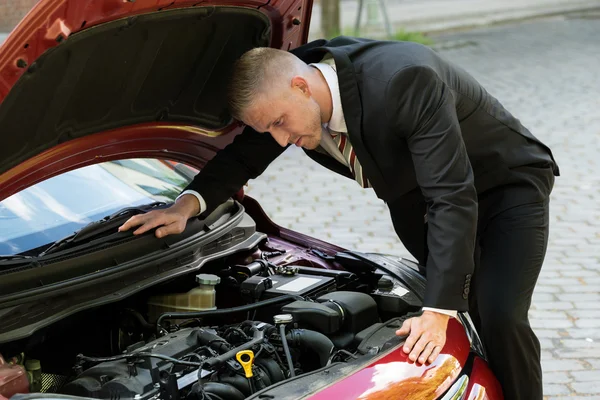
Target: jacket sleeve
{"points": [[421, 109], [245, 158]]}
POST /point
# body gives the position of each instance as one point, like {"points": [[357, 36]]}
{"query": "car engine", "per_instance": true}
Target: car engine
{"points": [[228, 362], [238, 330]]}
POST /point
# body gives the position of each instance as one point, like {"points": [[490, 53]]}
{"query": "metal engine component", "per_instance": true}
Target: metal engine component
{"points": [[283, 319], [191, 361], [139, 376], [232, 361]]}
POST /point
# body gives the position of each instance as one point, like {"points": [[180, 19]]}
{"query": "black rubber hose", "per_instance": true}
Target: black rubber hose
{"points": [[139, 318], [311, 340], [213, 341], [215, 362], [239, 382], [272, 368], [286, 350], [221, 311], [223, 391]]}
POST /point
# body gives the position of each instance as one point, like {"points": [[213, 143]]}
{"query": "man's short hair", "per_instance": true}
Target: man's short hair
{"points": [[257, 70]]}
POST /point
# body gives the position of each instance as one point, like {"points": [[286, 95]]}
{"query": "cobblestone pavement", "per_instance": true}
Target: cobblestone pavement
{"points": [[546, 72]]}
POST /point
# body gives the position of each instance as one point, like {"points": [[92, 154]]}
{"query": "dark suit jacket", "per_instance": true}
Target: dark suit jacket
{"points": [[416, 121]]}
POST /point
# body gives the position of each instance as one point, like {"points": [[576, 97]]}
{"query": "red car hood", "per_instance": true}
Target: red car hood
{"points": [[87, 82]]}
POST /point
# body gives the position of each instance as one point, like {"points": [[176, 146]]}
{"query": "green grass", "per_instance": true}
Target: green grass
{"points": [[401, 35], [416, 37]]}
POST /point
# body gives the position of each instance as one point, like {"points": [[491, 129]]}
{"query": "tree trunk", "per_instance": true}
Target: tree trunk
{"points": [[330, 18]]}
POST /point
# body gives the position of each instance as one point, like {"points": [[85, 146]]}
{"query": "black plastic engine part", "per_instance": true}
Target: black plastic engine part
{"points": [[342, 339], [271, 368], [385, 283], [260, 380], [395, 300], [312, 341], [354, 264], [408, 273], [253, 288], [125, 378], [365, 333], [315, 315], [213, 341], [300, 285], [221, 391], [256, 267], [379, 336], [358, 310], [216, 362]]}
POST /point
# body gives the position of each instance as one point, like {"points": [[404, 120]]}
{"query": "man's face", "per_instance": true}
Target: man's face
{"points": [[289, 115]]}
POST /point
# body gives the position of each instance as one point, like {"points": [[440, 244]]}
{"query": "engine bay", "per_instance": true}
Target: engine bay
{"points": [[243, 323]]}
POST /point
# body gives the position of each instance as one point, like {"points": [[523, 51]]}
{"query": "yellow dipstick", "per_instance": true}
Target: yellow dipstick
{"points": [[246, 357]]}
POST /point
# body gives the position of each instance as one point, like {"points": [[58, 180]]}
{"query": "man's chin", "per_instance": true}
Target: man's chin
{"points": [[310, 145]]}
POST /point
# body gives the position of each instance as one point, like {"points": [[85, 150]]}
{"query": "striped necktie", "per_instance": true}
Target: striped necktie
{"points": [[342, 142]]}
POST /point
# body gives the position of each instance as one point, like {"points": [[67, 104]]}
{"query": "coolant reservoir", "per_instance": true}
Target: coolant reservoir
{"points": [[200, 298], [13, 379]]}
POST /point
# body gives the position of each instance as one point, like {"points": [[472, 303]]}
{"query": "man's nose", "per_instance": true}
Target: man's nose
{"points": [[280, 137]]}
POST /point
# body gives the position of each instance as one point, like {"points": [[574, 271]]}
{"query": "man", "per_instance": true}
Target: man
{"points": [[466, 184]]}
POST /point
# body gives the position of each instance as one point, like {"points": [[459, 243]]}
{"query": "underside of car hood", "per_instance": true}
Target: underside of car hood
{"points": [[161, 66]]}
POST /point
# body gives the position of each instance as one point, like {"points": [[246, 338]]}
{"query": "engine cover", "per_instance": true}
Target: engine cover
{"points": [[126, 379]]}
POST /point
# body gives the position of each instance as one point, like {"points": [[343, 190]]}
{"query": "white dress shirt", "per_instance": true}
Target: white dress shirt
{"points": [[337, 123]]}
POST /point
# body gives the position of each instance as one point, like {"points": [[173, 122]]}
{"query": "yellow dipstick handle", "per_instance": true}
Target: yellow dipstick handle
{"points": [[246, 357]]}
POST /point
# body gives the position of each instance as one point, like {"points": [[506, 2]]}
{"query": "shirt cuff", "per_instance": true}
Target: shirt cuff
{"points": [[451, 313], [198, 197]]}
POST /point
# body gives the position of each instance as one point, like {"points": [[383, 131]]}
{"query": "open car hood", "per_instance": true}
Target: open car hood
{"points": [[88, 82]]}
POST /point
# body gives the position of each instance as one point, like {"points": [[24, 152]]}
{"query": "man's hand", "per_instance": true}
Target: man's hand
{"points": [[427, 336], [173, 219]]}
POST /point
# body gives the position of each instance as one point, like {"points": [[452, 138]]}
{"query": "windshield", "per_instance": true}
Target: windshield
{"points": [[61, 205]]}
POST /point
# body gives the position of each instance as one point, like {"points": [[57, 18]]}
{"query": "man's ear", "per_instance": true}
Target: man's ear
{"points": [[301, 84]]}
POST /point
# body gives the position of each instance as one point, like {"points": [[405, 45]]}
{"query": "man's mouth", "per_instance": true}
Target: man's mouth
{"points": [[298, 142]]}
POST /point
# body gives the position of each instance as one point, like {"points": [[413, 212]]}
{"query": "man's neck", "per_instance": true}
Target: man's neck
{"points": [[322, 95]]}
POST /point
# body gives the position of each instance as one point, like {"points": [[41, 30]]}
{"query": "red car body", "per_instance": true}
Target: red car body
{"points": [[51, 22]]}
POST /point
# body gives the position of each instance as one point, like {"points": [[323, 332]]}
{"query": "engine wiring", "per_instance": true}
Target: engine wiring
{"points": [[338, 353], [184, 357], [81, 357]]}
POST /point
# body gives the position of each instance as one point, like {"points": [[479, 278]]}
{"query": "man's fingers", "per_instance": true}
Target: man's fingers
{"points": [[411, 340], [435, 353], [170, 229], [131, 222], [418, 348], [426, 352], [405, 328], [150, 223], [174, 223]]}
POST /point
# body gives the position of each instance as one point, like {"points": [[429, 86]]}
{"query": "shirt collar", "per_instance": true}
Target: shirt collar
{"points": [[337, 122]]}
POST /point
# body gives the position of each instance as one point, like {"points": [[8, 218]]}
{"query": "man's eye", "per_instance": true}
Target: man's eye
{"points": [[278, 122]]}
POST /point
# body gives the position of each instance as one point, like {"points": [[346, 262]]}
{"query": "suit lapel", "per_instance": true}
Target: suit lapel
{"points": [[351, 103], [352, 106], [323, 158]]}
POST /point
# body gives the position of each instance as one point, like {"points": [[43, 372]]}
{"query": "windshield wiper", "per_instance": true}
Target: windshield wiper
{"points": [[10, 261], [14, 257], [95, 229]]}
